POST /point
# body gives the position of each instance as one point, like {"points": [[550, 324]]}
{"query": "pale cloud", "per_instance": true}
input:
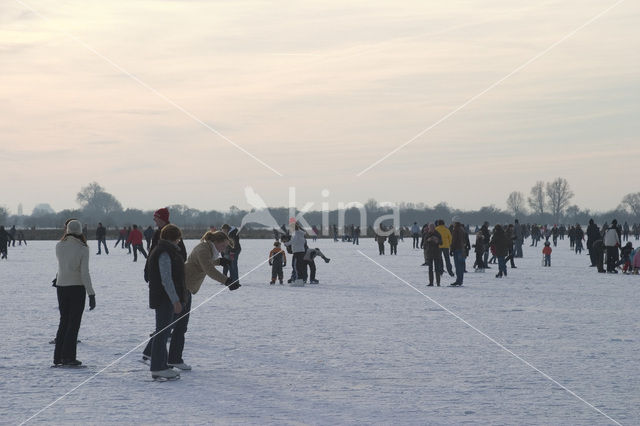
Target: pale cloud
{"points": [[319, 90]]}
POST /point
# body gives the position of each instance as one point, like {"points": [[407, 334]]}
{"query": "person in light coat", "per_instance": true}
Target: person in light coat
{"points": [[611, 243], [73, 283], [297, 244]]}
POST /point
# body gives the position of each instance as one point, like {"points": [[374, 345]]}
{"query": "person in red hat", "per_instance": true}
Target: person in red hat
{"points": [[161, 218]]}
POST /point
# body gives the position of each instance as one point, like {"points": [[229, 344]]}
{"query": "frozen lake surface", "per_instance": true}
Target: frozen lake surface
{"points": [[361, 347]]}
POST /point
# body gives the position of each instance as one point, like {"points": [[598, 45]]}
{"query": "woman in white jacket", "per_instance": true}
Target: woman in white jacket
{"points": [[73, 282]]}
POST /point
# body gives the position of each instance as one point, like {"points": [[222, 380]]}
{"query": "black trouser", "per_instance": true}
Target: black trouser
{"points": [[447, 259], [598, 255], [510, 258], [479, 261], [416, 241], [312, 269], [102, 241], [177, 335], [300, 266], [612, 258], [136, 248], [393, 249], [158, 344], [381, 247], [71, 302], [276, 271], [435, 263]]}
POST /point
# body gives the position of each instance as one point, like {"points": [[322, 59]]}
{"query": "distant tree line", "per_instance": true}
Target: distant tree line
{"points": [[547, 203]]}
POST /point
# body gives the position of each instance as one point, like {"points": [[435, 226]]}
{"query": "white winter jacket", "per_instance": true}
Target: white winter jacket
{"points": [[611, 238], [73, 264]]}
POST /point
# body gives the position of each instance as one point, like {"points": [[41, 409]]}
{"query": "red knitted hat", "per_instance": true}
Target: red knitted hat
{"points": [[162, 214]]}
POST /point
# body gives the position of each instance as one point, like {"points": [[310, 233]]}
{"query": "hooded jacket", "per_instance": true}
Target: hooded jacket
{"points": [[446, 236]]}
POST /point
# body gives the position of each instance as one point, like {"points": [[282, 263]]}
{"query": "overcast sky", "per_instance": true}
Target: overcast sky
{"points": [[314, 93]]}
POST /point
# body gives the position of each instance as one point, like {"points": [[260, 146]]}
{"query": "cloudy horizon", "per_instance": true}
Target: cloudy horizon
{"points": [[148, 98]]}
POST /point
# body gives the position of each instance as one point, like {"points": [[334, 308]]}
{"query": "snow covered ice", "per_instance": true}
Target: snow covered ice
{"points": [[361, 347]]}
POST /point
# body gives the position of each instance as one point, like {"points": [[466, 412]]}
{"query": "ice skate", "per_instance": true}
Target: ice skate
{"points": [[180, 366], [167, 374]]}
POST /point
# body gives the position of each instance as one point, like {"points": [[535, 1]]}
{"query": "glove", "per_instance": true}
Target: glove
{"points": [[224, 261], [233, 285], [92, 302]]}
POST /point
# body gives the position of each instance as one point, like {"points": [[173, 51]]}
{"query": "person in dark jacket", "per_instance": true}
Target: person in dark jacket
{"points": [[486, 236], [593, 234], [380, 239], [165, 271], [393, 243], [12, 234], [579, 237], [598, 254], [161, 218], [148, 235], [4, 241], [431, 241], [479, 250], [511, 236], [101, 237], [501, 242], [459, 248], [233, 252]]}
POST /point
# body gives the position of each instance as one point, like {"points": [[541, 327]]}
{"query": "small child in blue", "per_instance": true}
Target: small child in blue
{"points": [[546, 251]]}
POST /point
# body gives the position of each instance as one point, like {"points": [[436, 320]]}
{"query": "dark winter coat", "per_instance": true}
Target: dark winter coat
{"points": [[485, 234], [156, 239], [431, 245], [501, 242], [233, 235], [101, 232], [593, 234], [157, 294], [4, 237], [459, 238]]}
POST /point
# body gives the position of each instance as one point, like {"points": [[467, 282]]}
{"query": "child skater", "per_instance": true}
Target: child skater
{"points": [[277, 260], [309, 255], [625, 257], [479, 249], [546, 251]]}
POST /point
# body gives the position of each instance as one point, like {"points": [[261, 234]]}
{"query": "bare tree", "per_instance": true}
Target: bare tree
{"points": [[632, 203], [96, 201], [559, 195], [537, 198], [515, 203]]}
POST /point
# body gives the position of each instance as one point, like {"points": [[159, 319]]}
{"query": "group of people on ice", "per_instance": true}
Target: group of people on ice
{"points": [[8, 239], [504, 244], [303, 257], [172, 275]]}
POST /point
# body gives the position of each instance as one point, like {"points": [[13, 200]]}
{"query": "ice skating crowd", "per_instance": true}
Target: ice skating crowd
{"points": [[174, 276]]}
